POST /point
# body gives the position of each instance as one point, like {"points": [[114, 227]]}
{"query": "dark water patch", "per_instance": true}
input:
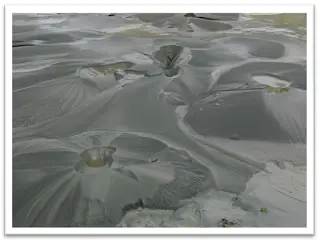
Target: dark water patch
{"points": [[16, 44], [189, 15], [214, 16], [209, 18], [153, 17], [210, 25], [219, 16]]}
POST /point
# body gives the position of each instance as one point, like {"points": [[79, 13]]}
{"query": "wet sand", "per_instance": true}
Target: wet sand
{"points": [[206, 114]]}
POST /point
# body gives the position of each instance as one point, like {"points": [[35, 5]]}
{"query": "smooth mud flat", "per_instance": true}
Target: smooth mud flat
{"points": [[159, 120]]}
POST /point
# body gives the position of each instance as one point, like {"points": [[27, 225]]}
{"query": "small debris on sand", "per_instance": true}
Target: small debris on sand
{"points": [[264, 210], [226, 223]]}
